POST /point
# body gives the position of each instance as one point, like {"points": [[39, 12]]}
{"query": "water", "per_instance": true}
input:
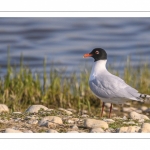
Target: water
{"points": [[63, 41]]}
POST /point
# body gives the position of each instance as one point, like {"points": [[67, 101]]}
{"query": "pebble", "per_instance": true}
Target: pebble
{"points": [[75, 127], [128, 109], [130, 122], [109, 120], [72, 110], [32, 121], [145, 128], [147, 110], [97, 130], [35, 108], [52, 131], [93, 123], [3, 108], [135, 116], [9, 130], [70, 121], [72, 132], [48, 120], [27, 131], [144, 108], [66, 111], [17, 113], [107, 105], [85, 116], [130, 129]]}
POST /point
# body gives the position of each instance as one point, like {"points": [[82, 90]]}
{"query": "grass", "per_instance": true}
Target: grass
{"points": [[21, 88]]}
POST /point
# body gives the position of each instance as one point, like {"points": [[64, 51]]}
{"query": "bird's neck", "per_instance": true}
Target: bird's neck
{"points": [[99, 65]]}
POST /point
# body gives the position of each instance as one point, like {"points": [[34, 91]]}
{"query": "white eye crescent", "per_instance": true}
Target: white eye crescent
{"points": [[97, 52]]}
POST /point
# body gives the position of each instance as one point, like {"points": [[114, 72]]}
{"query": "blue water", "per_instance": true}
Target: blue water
{"points": [[63, 41]]}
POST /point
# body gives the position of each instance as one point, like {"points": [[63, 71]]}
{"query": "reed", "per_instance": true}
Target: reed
{"points": [[21, 88]]}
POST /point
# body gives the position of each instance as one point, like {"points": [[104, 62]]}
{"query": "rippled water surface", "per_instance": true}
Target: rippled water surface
{"points": [[63, 41]]}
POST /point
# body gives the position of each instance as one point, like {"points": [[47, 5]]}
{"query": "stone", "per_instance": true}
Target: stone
{"points": [[72, 110], [97, 130], [72, 132], [128, 109], [32, 121], [133, 129], [130, 129], [147, 110], [145, 128], [50, 119], [138, 111], [17, 113], [10, 130], [107, 105], [27, 131], [144, 108], [93, 123], [135, 116], [128, 104], [123, 130], [70, 121], [74, 127], [109, 120], [130, 122], [3, 108], [35, 108], [52, 131], [66, 111]]}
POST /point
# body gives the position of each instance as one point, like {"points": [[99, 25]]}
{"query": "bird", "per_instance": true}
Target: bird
{"points": [[108, 87]]}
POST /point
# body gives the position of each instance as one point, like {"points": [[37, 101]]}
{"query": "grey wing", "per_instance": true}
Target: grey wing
{"points": [[112, 86]]}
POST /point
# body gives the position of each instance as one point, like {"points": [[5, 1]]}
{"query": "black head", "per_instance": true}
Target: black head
{"points": [[97, 54]]}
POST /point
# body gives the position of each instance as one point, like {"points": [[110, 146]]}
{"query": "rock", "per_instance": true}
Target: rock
{"points": [[85, 116], [128, 109], [49, 120], [138, 111], [109, 120], [35, 108], [123, 130], [130, 122], [70, 121], [133, 129], [27, 131], [10, 130], [32, 121], [145, 128], [136, 116], [72, 132], [107, 105], [66, 111], [128, 104], [97, 130], [75, 127], [124, 118], [52, 131], [130, 129], [144, 108], [147, 110], [93, 123], [72, 110], [17, 113], [3, 108]]}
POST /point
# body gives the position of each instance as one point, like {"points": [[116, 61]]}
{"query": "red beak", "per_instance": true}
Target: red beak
{"points": [[87, 55]]}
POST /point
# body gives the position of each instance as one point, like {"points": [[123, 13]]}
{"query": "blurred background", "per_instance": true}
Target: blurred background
{"points": [[63, 41]]}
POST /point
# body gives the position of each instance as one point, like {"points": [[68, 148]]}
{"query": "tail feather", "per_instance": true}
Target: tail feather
{"points": [[145, 97]]}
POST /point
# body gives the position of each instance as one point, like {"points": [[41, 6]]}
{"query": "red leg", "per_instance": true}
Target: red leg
{"points": [[110, 111], [102, 109]]}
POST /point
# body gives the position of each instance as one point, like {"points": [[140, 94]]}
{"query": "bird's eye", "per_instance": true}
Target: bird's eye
{"points": [[97, 52]]}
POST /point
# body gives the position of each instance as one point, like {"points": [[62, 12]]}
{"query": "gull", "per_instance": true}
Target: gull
{"points": [[108, 87]]}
